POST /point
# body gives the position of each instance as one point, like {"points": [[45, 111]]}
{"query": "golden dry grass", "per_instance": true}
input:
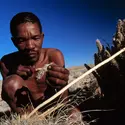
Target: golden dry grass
{"points": [[50, 117]]}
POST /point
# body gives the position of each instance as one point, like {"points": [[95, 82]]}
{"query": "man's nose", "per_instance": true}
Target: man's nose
{"points": [[30, 44]]}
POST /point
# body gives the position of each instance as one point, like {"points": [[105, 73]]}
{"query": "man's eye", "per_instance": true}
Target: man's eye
{"points": [[36, 38], [20, 40]]}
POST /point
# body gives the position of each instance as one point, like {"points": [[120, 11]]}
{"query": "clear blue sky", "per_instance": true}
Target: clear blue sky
{"points": [[69, 25]]}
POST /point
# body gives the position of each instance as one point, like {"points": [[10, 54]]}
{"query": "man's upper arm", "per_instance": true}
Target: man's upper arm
{"points": [[57, 57], [3, 69]]}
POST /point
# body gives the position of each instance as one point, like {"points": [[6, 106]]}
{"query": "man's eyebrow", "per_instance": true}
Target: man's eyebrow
{"points": [[36, 36], [21, 37]]}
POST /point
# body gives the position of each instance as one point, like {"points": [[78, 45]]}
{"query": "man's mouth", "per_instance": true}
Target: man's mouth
{"points": [[31, 54]]}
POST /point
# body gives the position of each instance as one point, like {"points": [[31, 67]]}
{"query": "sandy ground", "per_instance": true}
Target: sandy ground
{"points": [[3, 105]]}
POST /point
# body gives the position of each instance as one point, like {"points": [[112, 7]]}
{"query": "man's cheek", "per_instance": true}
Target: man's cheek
{"points": [[39, 44]]}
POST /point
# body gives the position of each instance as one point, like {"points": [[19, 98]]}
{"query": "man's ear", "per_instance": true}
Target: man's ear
{"points": [[42, 34], [14, 41]]}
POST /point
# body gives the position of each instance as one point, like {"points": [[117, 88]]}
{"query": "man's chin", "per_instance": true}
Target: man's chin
{"points": [[30, 59]]}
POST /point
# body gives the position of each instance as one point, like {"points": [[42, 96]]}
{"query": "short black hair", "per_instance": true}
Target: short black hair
{"points": [[23, 17]]}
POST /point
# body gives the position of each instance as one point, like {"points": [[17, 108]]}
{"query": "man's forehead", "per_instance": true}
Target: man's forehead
{"points": [[28, 28], [28, 25]]}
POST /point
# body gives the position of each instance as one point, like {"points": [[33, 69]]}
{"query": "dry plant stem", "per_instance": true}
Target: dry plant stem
{"points": [[76, 80], [52, 109]]}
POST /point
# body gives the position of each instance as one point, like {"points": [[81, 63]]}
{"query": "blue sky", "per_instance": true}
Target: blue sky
{"points": [[69, 25]]}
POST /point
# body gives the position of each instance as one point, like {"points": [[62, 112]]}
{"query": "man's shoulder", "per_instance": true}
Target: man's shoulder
{"points": [[10, 57], [51, 51], [55, 55]]}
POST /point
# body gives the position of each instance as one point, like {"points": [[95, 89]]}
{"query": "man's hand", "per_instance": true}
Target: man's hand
{"points": [[24, 71], [57, 76]]}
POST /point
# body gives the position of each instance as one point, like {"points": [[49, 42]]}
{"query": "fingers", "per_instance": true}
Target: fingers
{"points": [[58, 69], [24, 70], [57, 82], [59, 75], [58, 72]]}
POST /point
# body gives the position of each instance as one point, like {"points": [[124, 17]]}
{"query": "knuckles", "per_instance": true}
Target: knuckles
{"points": [[57, 82], [24, 71], [58, 75], [59, 69]]}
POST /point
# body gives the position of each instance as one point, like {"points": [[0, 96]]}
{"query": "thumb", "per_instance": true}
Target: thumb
{"points": [[32, 69]]}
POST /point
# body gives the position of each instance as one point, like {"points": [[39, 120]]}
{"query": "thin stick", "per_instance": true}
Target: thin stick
{"points": [[73, 82]]}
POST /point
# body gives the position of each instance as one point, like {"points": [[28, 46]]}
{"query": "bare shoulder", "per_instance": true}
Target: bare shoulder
{"points": [[52, 51], [8, 62], [9, 57], [55, 55]]}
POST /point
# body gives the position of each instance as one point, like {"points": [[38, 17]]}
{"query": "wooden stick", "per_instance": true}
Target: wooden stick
{"points": [[73, 82]]}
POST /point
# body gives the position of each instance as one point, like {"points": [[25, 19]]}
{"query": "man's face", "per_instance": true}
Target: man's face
{"points": [[29, 40]]}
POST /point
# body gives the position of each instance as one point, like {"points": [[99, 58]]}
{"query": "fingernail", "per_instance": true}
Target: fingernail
{"points": [[49, 67]]}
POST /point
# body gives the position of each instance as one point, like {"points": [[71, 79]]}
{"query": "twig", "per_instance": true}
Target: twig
{"points": [[73, 82], [98, 110]]}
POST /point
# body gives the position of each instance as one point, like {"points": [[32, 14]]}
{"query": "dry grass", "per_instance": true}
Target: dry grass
{"points": [[57, 115], [35, 120]]}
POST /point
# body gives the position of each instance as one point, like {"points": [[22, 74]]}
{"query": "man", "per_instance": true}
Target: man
{"points": [[20, 86]]}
